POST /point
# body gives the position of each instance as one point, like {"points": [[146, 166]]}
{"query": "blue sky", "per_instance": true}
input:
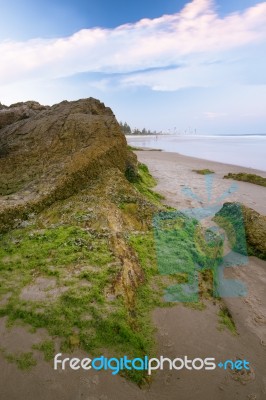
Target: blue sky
{"points": [[162, 64]]}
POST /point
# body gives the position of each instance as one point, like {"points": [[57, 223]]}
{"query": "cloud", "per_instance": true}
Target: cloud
{"points": [[193, 35], [195, 73]]}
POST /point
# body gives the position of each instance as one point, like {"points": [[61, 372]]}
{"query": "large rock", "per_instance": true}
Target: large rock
{"points": [[54, 152], [19, 111]]}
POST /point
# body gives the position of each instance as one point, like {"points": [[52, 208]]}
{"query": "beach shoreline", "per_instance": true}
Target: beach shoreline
{"points": [[193, 159], [245, 151], [174, 171], [183, 330]]}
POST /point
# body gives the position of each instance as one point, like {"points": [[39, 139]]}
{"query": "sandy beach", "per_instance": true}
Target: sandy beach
{"points": [[175, 171], [186, 331], [180, 330]]}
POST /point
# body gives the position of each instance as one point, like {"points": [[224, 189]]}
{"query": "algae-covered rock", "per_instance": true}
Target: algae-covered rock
{"points": [[245, 228], [255, 225], [49, 153], [246, 177]]}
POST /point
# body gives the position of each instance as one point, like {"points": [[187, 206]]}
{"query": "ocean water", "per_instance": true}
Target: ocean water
{"points": [[245, 151]]}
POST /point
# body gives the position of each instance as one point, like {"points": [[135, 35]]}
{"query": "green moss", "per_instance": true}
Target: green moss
{"points": [[82, 312], [26, 249], [182, 248], [145, 183], [145, 177], [24, 361], [245, 177], [48, 349], [132, 148], [245, 228], [173, 230], [231, 219], [177, 249], [200, 306], [226, 320], [67, 242], [71, 255], [144, 246], [203, 171]]}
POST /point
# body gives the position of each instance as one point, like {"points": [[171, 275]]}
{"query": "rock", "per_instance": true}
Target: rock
{"points": [[245, 227], [2, 106], [255, 226], [49, 153], [19, 111]]}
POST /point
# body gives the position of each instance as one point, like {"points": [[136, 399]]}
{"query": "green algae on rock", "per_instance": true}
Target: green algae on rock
{"points": [[203, 171], [246, 177], [245, 227]]}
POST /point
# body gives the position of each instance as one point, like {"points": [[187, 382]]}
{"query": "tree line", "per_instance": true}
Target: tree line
{"points": [[127, 130]]}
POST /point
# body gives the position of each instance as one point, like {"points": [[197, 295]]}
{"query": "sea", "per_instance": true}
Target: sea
{"points": [[246, 151]]}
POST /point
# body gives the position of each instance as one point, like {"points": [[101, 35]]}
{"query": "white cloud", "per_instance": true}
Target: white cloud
{"points": [[195, 73], [195, 31]]}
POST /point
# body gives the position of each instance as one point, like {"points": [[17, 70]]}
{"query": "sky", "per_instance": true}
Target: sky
{"points": [[171, 65]]}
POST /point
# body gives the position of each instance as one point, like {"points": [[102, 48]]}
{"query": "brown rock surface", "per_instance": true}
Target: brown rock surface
{"points": [[255, 225], [19, 111], [49, 153]]}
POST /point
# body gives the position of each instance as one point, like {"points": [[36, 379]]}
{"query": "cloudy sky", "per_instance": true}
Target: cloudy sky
{"points": [[162, 64]]}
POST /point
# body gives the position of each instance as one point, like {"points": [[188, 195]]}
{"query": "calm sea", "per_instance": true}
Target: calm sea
{"points": [[246, 151]]}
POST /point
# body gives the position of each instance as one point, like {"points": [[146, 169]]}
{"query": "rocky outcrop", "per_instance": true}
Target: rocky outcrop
{"points": [[2, 106], [49, 153], [255, 225], [19, 111], [71, 201], [245, 227]]}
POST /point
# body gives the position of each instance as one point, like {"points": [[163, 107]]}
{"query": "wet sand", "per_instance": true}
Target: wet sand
{"points": [[187, 331], [175, 171], [180, 330]]}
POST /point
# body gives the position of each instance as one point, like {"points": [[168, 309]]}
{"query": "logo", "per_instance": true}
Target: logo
{"points": [[192, 240], [117, 365]]}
